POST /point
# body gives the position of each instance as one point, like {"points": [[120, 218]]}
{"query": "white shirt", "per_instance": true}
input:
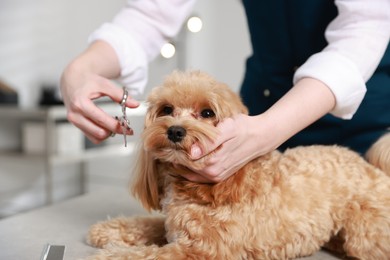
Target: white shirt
{"points": [[357, 39]]}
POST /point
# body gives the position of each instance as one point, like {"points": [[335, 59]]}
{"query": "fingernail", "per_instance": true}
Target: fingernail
{"points": [[133, 102], [196, 151]]}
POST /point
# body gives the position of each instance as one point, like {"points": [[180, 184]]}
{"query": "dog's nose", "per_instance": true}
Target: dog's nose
{"points": [[176, 133]]}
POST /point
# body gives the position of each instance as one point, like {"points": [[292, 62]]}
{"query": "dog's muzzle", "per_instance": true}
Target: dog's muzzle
{"points": [[176, 133]]}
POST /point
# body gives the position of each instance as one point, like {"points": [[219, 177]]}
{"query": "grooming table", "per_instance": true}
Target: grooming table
{"points": [[23, 236]]}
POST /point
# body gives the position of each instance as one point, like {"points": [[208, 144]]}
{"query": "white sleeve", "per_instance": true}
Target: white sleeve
{"points": [[357, 39], [137, 33]]}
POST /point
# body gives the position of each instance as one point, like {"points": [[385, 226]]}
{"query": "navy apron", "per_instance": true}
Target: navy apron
{"points": [[284, 34]]}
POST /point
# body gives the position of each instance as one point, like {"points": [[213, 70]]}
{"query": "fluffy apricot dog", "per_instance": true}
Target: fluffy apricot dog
{"points": [[278, 206]]}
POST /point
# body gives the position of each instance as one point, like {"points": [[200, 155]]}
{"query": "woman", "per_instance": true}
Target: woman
{"points": [[305, 83]]}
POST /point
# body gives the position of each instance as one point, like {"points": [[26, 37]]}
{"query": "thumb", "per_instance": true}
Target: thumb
{"points": [[200, 150], [196, 152], [225, 134]]}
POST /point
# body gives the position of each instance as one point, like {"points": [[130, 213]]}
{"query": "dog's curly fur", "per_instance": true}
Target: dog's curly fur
{"points": [[278, 206]]}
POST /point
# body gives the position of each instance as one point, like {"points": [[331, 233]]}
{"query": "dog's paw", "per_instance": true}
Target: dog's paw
{"points": [[128, 231], [108, 232]]}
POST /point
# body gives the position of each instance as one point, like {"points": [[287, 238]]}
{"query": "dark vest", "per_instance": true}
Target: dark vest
{"points": [[284, 34]]}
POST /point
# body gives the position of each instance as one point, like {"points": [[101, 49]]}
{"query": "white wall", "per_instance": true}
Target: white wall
{"points": [[39, 37], [220, 48], [223, 45]]}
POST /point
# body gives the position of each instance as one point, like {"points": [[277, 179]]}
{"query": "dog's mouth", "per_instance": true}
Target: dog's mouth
{"points": [[174, 152], [172, 143]]}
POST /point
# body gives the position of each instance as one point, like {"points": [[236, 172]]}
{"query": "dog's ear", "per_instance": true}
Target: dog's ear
{"points": [[146, 183], [145, 186], [150, 116], [226, 102], [153, 102]]}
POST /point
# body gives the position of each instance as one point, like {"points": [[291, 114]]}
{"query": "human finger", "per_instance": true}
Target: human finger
{"points": [[117, 94], [82, 106], [194, 177], [226, 132], [91, 130]]}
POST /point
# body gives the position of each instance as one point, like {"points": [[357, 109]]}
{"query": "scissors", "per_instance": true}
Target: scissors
{"points": [[123, 121]]}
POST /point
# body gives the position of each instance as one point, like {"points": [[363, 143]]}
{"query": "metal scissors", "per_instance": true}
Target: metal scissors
{"points": [[123, 121]]}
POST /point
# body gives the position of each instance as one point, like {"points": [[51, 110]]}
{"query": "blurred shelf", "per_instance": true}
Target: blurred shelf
{"points": [[102, 152], [51, 116], [96, 153]]}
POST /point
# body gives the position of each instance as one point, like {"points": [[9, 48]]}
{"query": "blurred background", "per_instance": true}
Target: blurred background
{"points": [[44, 159]]}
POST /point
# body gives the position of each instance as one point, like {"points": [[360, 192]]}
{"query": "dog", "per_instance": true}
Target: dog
{"points": [[278, 206]]}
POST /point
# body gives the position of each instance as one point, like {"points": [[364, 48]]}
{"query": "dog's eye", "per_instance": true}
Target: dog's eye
{"points": [[207, 113], [166, 110]]}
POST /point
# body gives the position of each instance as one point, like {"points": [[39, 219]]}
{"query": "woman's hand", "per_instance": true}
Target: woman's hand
{"points": [[243, 138], [240, 141], [86, 79]]}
